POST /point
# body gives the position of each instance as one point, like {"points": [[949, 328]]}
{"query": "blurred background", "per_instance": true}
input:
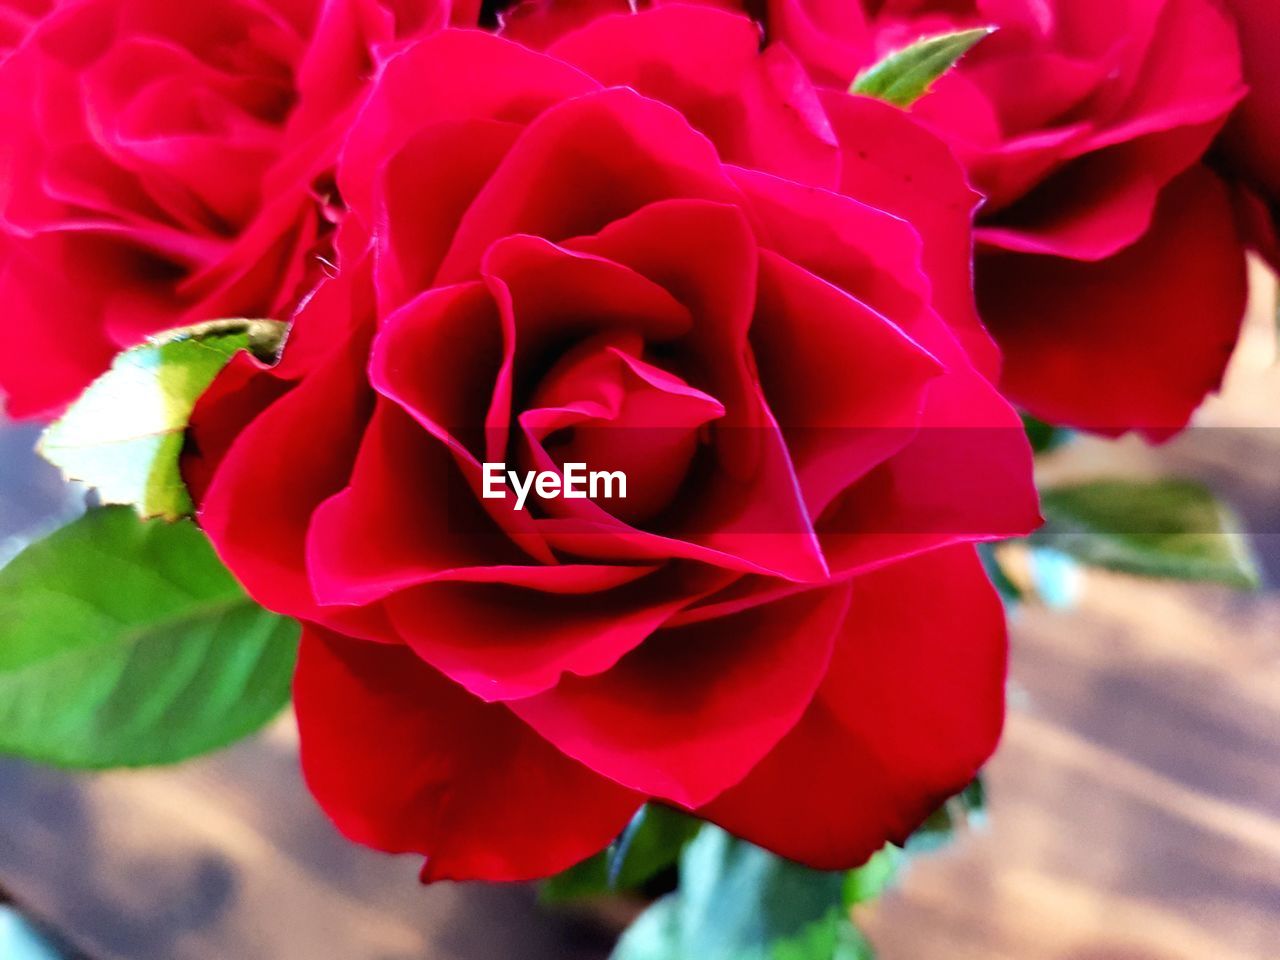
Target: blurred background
{"points": [[1134, 806]]}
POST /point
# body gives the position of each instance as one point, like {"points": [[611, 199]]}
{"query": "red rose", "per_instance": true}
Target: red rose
{"points": [[657, 250], [1251, 142], [1109, 266], [163, 163], [17, 18]]}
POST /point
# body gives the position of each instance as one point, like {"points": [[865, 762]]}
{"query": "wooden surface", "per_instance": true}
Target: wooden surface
{"points": [[1135, 802], [1135, 799]]}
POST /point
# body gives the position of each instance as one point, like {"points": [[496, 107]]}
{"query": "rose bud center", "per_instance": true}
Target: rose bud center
{"points": [[604, 405]]}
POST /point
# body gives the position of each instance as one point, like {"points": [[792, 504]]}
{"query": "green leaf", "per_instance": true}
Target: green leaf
{"points": [[590, 878], [869, 881], [1163, 528], [738, 902], [874, 877], [1044, 437], [1009, 591], [651, 843], [973, 800], [904, 76], [968, 808], [125, 433], [125, 643]]}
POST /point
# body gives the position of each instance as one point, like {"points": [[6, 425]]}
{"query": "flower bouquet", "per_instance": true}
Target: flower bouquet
{"points": [[600, 418]]}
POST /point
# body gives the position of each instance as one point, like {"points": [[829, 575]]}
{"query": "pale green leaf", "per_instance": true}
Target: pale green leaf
{"points": [[651, 843], [739, 902], [904, 76], [124, 435], [1162, 528], [867, 882]]}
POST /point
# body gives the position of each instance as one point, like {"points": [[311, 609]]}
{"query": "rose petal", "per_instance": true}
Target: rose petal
{"points": [[243, 389], [44, 322], [405, 761], [604, 407], [466, 407], [408, 516], [1132, 342], [846, 385], [1102, 202], [285, 463], [688, 713], [760, 111], [875, 256], [1190, 72], [539, 23], [440, 357], [704, 254], [1252, 140], [965, 476], [504, 642], [581, 165], [423, 192], [451, 75], [909, 712], [549, 297], [832, 37], [894, 164]]}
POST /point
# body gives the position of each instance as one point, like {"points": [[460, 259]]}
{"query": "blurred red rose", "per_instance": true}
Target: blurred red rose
{"points": [[655, 249], [1110, 268], [1250, 146], [1109, 265], [162, 163], [17, 18]]}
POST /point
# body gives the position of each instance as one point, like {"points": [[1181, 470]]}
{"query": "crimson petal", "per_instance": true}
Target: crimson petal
{"points": [[910, 710], [405, 761], [1135, 341], [692, 710], [760, 110], [504, 642], [451, 75], [581, 165]]}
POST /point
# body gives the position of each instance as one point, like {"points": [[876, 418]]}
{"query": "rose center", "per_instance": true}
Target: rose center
{"points": [[604, 405]]}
